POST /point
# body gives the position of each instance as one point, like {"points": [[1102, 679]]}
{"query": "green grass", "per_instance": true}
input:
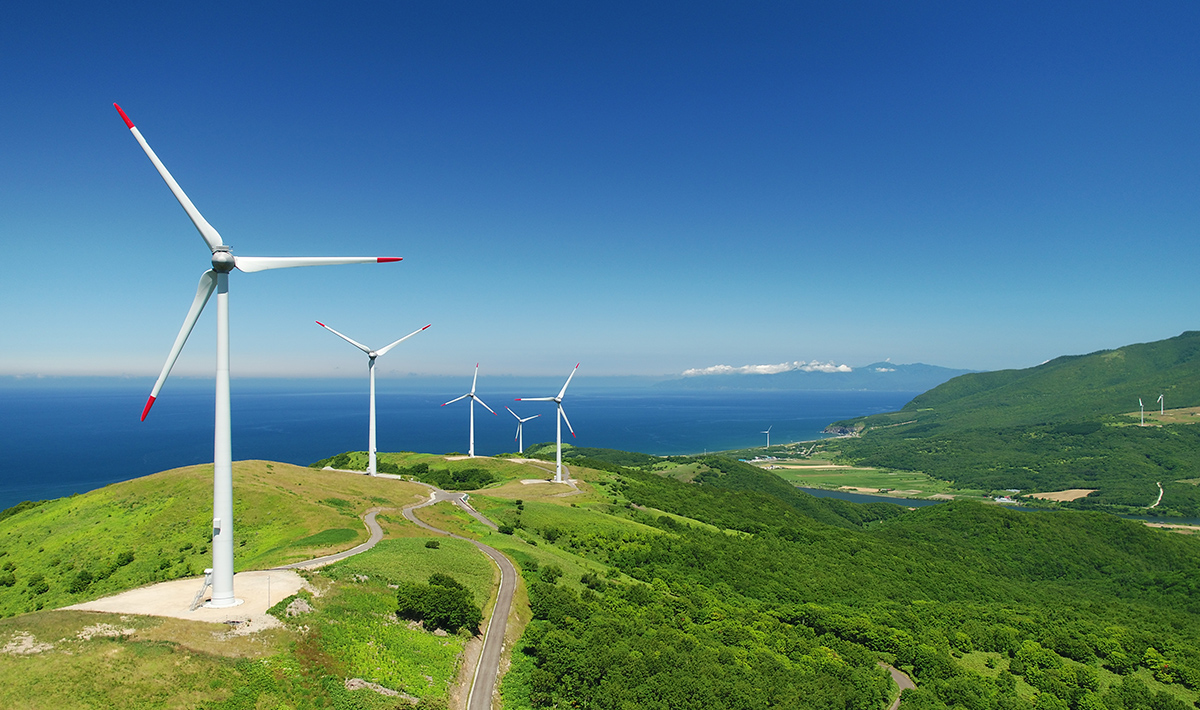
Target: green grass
{"points": [[408, 560], [158, 528]]}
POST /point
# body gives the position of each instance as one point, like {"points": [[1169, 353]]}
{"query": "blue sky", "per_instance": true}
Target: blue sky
{"points": [[641, 187]]}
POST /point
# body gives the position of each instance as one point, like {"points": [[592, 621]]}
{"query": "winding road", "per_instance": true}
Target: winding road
{"points": [[376, 536], [483, 685]]}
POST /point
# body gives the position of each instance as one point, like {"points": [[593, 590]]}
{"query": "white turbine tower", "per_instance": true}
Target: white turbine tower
{"points": [[768, 433], [1161, 405], [520, 423], [562, 416], [217, 278], [474, 398], [371, 355], [1143, 408]]}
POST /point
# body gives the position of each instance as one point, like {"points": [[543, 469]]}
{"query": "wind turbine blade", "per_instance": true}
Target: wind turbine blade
{"points": [[383, 351], [210, 235], [563, 412], [568, 382], [514, 414], [457, 398], [208, 282], [534, 399], [355, 343], [250, 264], [475, 379], [477, 399], [528, 418]]}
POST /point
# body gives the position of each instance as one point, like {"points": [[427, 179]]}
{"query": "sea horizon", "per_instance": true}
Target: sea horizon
{"points": [[69, 435]]}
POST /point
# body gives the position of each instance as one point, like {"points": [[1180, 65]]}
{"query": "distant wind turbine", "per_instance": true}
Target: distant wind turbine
{"points": [[1143, 408], [562, 416], [1161, 404], [474, 398], [217, 279], [371, 355], [520, 423], [768, 433]]}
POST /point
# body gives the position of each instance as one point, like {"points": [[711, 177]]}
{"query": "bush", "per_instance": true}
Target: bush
{"points": [[444, 603], [505, 529], [432, 544]]}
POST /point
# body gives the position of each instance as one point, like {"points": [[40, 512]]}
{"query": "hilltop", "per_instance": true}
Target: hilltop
{"points": [[1071, 422]]}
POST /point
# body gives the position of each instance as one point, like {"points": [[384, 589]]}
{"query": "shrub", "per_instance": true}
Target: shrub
{"points": [[444, 603], [432, 544]]}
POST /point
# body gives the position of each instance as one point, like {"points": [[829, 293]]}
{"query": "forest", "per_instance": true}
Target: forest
{"points": [[763, 596]]}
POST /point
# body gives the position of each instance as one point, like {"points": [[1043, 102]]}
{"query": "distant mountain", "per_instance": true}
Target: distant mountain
{"points": [[1070, 388], [877, 377], [1071, 422]]}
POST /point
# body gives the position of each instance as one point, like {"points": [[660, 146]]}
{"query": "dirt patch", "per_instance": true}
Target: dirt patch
{"points": [[1185, 529], [941, 496], [103, 630], [858, 489], [24, 644], [1067, 495]]}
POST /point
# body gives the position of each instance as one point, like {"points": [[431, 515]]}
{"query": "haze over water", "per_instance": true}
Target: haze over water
{"points": [[60, 440]]}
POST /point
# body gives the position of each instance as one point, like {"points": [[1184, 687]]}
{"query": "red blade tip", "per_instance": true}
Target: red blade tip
{"points": [[319, 323], [380, 260], [127, 123], [149, 402], [427, 326]]}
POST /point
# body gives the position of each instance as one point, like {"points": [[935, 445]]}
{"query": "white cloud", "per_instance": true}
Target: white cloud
{"points": [[885, 369], [814, 366]]}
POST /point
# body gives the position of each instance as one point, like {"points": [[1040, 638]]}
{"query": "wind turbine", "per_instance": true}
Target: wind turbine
{"points": [[217, 278], [1143, 408], [768, 433], [562, 416], [1161, 404], [371, 355], [474, 398], [520, 423]]}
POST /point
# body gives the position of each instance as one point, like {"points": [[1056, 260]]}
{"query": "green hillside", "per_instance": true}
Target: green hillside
{"points": [[158, 528], [1069, 423]]}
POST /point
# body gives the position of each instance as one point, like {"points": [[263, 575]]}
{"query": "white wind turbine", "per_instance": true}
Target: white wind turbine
{"points": [[474, 398], [768, 433], [562, 416], [217, 278], [520, 423], [371, 355], [1161, 405], [1143, 408]]}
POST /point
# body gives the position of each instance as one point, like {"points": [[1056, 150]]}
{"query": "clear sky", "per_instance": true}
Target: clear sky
{"points": [[641, 187]]}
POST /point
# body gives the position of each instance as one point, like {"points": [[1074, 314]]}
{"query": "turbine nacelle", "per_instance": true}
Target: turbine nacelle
{"points": [[223, 260]]}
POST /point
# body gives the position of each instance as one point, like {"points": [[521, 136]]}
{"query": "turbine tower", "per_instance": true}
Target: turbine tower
{"points": [[562, 416], [768, 433], [371, 355], [1161, 404], [520, 423], [474, 399], [1142, 407], [217, 279]]}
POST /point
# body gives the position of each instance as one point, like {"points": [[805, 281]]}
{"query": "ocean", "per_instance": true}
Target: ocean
{"points": [[62, 437]]}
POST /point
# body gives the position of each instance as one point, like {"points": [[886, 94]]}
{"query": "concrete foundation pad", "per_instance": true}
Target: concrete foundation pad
{"points": [[258, 590]]}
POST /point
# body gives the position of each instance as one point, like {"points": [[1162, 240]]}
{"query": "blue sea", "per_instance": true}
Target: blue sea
{"points": [[61, 437]]}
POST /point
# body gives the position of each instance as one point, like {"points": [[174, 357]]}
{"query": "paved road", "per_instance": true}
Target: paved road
{"points": [[902, 680], [484, 684], [376, 536]]}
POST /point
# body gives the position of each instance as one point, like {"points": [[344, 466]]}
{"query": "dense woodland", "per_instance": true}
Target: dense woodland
{"points": [[794, 600]]}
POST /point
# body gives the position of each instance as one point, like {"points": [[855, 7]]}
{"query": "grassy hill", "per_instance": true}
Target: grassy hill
{"points": [[158, 528], [1068, 423]]}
